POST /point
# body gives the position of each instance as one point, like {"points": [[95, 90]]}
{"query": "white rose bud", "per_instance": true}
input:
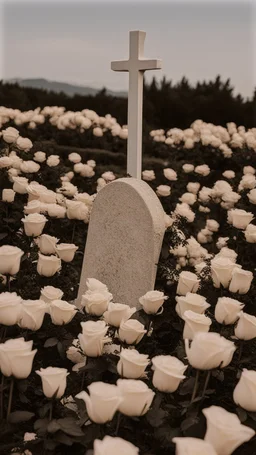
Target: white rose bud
{"points": [[163, 190], [241, 281], [66, 251], [10, 308], [224, 430], [246, 326], [16, 358], [53, 160], [222, 269], [103, 401], [239, 218], [54, 381], [168, 373], [96, 302], [62, 312], [48, 265], [131, 331], [170, 174], [114, 446], [250, 233], [20, 185], [77, 210], [109, 176], [8, 195], [118, 312], [191, 302], [227, 310], [193, 446], [209, 350], [74, 157], [10, 135], [137, 397], [50, 293], [148, 176], [40, 157], [56, 211], [95, 285], [10, 257], [132, 364], [32, 314], [93, 337], [34, 224], [47, 243], [23, 143], [5, 161], [152, 301], [34, 206], [188, 282], [73, 353], [195, 323], [29, 167], [244, 394], [187, 168]]}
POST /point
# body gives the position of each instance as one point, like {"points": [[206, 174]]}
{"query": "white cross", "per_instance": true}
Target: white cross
{"points": [[136, 65]]}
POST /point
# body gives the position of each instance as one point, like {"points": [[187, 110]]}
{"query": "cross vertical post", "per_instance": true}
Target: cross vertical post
{"points": [[136, 66]]}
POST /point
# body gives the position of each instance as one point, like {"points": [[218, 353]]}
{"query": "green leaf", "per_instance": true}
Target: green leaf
{"points": [[156, 417], [187, 386], [20, 416], [40, 426], [63, 439], [51, 342], [70, 427], [3, 235], [53, 426]]}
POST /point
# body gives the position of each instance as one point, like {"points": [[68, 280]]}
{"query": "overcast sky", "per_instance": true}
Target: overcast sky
{"points": [[76, 41]]}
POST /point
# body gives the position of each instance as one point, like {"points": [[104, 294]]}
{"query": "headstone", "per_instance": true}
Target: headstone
{"points": [[124, 240]]}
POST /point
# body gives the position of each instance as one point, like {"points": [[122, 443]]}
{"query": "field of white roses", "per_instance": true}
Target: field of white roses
{"points": [[107, 379]]}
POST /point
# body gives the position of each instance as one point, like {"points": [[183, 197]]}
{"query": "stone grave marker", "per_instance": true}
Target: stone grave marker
{"points": [[127, 225]]}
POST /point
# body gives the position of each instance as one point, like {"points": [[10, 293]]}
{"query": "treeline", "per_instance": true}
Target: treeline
{"points": [[166, 104]]}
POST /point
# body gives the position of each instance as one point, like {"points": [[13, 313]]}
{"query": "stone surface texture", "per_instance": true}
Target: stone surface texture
{"points": [[124, 240]]}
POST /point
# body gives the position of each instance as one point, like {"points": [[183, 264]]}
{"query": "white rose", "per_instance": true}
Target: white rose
{"points": [[10, 257], [227, 310], [66, 251], [97, 132], [32, 314], [168, 373], [248, 170], [47, 196], [239, 218], [8, 195], [184, 210], [227, 253], [203, 170], [68, 189], [23, 143], [118, 312], [249, 233], [222, 269], [85, 198], [29, 167], [244, 394], [34, 224], [148, 176], [87, 171], [100, 184], [40, 157], [95, 285], [53, 160], [47, 243], [109, 176], [13, 173], [32, 207], [103, 401], [212, 225], [224, 430], [96, 302], [91, 163], [193, 446], [188, 198], [114, 446], [195, 323], [168, 221], [152, 301], [131, 331], [246, 326], [54, 381], [209, 350], [77, 210], [62, 312], [241, 281], [74, 355], [93, 337], [56, 211], [16, 358], [205, 194], [48, 265], [137, 397], [74, 157], [132, 364], [163, 190], [10, 135], [252, 196], [193, 187], [20, 185], [50, 293], [10, 308], [188, 282], [78, 167], [187, 168], [170, 174]]}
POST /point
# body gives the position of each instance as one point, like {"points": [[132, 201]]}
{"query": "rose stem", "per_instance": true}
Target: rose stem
{"points": [[195, 386], [10, 399], [118, 423], [73, 232], [241, 346], [51, 410], [206, 382], [2, 399], [8, 282]]}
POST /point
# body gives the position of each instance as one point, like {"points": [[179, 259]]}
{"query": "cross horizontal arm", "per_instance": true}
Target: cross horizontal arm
{"points": [[120, 65], [144, 64]]}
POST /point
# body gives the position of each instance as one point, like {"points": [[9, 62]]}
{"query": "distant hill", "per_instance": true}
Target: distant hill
{"points": [[57, 87]]}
